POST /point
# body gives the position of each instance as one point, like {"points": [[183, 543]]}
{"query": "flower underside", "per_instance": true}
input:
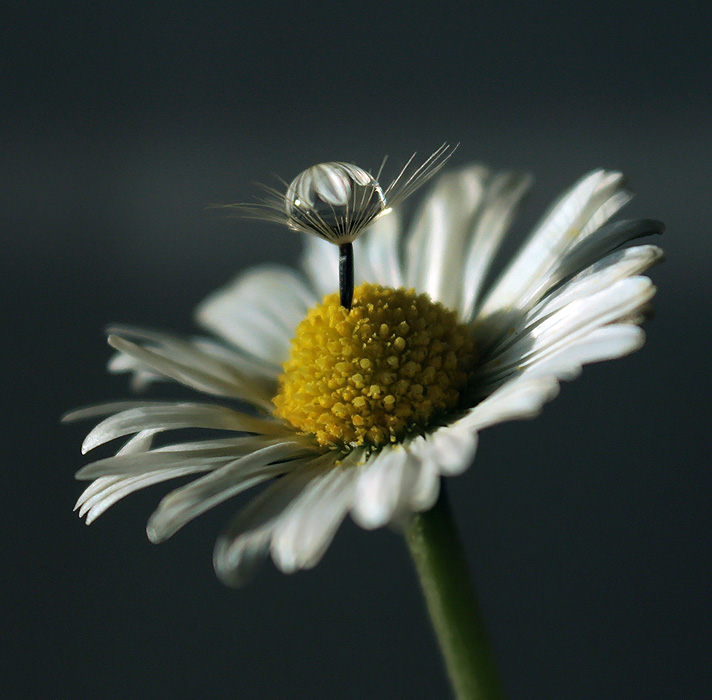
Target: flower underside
{"points": [[368, 376]]}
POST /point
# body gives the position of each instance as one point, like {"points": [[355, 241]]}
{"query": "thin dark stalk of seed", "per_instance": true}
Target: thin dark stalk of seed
{"points": [[346, 274]]}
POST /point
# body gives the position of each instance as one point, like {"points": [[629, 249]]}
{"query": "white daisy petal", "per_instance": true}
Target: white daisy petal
{"points": [[235, 565], [381, 258], [453, 449], [591, 200], [638, 316], [178, 349], [570, 323], [235, 444], [258, 370], [599, 276], [183, 356], [519, 399], [158, 460], [141, 442], [436, 244], [118, 466], [376, 257], [596, 278], [364, 259], [175, 416], [304, 531], [261, 374], [184, 504], [427, 483], [125, 486], [504, 195], [241, 549], [610, 196], [607, 343], [90, 492], [195, 377], [320, 263], [141, 375], [104, 409], [259, 311], [362, 265], [603, 241], [105, 491], [384, 484]]}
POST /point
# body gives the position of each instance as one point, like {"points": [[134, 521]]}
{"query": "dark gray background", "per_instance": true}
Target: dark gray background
{"points": [[587, 529]]}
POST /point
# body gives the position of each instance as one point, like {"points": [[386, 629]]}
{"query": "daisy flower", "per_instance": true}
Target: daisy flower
{"points": [[353, 389]]}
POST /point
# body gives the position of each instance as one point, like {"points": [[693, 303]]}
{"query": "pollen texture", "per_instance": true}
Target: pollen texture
{"points": [[377, 372]]}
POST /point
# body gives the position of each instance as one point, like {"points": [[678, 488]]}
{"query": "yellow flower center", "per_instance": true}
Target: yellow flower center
{"points": [[377, 372]]}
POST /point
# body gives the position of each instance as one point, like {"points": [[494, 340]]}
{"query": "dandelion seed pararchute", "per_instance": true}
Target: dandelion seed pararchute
{"points": [[338, 201], [334, 200]]}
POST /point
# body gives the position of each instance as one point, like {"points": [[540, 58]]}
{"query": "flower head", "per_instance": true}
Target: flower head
{"points": [[361, 410]]}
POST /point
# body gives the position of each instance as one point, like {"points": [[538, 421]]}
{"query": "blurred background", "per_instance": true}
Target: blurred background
{"points": [[587, 530]]}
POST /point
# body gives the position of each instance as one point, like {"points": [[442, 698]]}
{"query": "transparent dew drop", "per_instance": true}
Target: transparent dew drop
{"points": [[334, 200]]}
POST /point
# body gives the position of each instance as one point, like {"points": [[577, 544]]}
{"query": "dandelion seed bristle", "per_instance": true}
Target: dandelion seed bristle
{"points": [[371, 375], [339, 201]]}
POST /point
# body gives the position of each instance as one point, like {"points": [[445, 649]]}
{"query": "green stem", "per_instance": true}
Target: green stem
{"points": [[442, 568]]}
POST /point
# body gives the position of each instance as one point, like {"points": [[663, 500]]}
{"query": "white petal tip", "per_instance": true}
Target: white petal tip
{"points": [[369, 514], [154, 535], [427, 501], [368, 520], [88, 445], [157, 529]]}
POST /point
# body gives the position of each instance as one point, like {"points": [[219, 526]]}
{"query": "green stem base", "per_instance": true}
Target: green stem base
{"points": [[442, 568]]}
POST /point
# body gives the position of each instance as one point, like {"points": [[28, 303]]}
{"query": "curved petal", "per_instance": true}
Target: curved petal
{"points": [[377, 252], [436, 244], [184, 504], [104, 409], [259, 311], [606, 343], [503, 198], [197, 364], [125, 485], [569, 324], [242, 548], [167, 416], [141, 375], [427, 483], [518, 399], [303, 533], [141, 442], [616, 266], [608, 238], [259, 371], [578, 214], [201, 377], [320, 261], [206, 457], [384, 485], [593, 280], [453, 448]]}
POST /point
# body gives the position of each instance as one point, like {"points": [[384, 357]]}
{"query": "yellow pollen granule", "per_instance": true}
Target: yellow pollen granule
{"points": [[372, 374]]}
